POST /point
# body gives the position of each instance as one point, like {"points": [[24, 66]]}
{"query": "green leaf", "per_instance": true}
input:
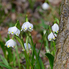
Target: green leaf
{"points": [[51, 59], [6, 64], [17, 56], [19, 40], [56, 20], [47, 47], [40, 48], [34, 52], [41, 63], [4, 60], [9, 50], [14, 59], [3, 48], [18, 25], [23, 67], [2, 65]]}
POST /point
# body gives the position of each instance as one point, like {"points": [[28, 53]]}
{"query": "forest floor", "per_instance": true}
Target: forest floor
{"points": [[14, 10]]}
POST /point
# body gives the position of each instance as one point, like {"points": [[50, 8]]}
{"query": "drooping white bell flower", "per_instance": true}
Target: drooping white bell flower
{"points": [[10, 43], [55, 28], [17, 32], [29, 46], [14, 30], [30, 27], [45, 6], [27, 26], [51, 36]]}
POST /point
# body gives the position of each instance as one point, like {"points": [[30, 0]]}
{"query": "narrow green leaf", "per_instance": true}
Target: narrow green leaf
{"points": [[51, 59], [4, 60], [9, 50], [19, 40], [6, 64], [18, 25], [17, 56], [14, 59], [40, 48], [35, 52], [56, 20], [2, 65], [3, 47], [41, 64]]}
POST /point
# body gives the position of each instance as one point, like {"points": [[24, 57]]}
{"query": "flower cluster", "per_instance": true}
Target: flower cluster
{"points": [[13, 31], [52, 35], [45, 6], [27, 26]]}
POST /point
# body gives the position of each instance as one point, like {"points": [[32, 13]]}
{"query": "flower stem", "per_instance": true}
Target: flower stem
{"points": [[46, 0], [26, 18], [37, 59], [17, 56], [27, 43], [26, 55]]}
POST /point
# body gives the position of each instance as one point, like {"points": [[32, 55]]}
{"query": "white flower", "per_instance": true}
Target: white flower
{"points": [[17, 32], [44, 32], [51, 36], [29, 46], [10, 43], [14, 30], [30, 27], [55, 28], [27, 26], [45, 6]]}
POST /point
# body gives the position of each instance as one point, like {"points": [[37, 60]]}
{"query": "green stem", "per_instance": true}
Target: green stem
{"points": [[27, 43], [26, 18], [22, 44], [14, 59], [16, 23], [46, 43], [17, 56], [12, 37], [47, 48], [26, 55], [46, 1], [54, 47], [37, 59]]}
